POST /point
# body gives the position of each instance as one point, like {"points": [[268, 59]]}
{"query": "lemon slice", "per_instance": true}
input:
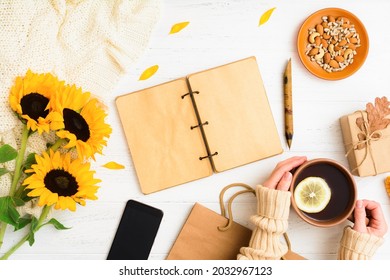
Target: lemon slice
{"points": [[312, 195]]}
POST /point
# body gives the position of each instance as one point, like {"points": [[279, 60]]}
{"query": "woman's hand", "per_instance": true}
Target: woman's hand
{"points": [[371, 211], [281, 176]]}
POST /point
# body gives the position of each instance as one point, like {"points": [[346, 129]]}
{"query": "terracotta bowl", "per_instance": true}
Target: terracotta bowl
{"points": [[343, 191]]}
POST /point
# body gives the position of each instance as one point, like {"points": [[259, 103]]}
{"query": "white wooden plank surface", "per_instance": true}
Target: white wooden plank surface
{"points": [[219, 32]]}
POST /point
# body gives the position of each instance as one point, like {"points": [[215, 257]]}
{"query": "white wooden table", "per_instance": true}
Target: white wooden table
{"points": [[221, 31]]}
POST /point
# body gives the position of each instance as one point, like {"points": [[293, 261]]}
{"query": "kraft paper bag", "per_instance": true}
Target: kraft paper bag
{"points": [[207, 235], [200, 238]]}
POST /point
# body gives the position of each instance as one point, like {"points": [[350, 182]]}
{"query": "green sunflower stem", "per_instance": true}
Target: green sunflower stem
{"points": [[3, 227], [43, 216], [16, 176], [19, 160], [57, 144], [15, 247]]}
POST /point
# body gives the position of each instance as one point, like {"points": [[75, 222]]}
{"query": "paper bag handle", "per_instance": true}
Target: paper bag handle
{"points": [[248, 189]]}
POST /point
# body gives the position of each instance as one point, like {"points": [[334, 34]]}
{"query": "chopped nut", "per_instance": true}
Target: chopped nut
{"points": [[333, 43]]}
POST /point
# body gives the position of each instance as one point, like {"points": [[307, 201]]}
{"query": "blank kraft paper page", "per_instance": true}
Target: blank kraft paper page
{"points": [[233, 101], [157, 124]]}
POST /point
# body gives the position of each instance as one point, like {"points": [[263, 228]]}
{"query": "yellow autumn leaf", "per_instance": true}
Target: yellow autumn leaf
{"points": [[265, 17], [178, 27], [113, 165], [149, 72], [387, 185]]}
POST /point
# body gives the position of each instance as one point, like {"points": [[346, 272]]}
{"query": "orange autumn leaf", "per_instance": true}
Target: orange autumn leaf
{"points": [[178, 27], [265, 17], [113, 165], [387, 185], [149, 72]]}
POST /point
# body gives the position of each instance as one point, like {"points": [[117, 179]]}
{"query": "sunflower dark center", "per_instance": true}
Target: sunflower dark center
{"points": [[76, 124], [34, 105], [61, 182]]}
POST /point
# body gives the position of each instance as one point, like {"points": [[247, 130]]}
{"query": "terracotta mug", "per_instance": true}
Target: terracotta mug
{"points": [[343, 191]]}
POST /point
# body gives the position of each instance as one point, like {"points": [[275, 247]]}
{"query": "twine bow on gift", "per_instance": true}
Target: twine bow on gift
{"points": [[366, 136]]}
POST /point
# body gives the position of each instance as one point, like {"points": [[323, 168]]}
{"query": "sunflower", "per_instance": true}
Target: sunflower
{"points": [[30, 97], [67, 97], [56, 179], [80, 120]]}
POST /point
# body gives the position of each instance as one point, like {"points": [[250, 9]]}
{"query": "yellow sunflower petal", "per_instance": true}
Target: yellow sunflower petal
{"points": [[265, 17], [43, 197], [36, 184], [80, 201], [60, 203], [70, 204], [72, 140], [178, 27], [52, 198], [113, 165], [36, 192], [56, 121], [148, 72]]}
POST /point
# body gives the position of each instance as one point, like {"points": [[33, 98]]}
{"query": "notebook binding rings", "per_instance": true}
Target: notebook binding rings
{"points": [[201, 124], [189, 93], [208, 156]]}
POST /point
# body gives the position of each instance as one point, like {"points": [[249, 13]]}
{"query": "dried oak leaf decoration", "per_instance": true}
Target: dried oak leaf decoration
{"points": [[378, 118]]}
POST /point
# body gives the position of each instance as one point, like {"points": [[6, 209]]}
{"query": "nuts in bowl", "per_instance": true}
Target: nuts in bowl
{"points": [[332, 43]]}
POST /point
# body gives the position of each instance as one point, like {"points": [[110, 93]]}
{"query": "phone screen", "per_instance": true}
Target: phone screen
{"points": [[136, 232]]}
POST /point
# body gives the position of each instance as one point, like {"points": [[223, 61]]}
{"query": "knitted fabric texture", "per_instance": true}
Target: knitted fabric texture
{"points": [[271, 221], [358, 246], [86, 42]]}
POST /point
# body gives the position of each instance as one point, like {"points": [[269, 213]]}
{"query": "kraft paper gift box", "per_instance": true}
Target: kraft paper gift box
{"points": [[367, 149]]}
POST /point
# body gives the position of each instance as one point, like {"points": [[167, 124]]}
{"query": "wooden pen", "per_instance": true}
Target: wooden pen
{"points": [[288, 105]]}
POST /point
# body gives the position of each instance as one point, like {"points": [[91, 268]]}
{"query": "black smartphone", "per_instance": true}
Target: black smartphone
{"points": [[136, 232]]}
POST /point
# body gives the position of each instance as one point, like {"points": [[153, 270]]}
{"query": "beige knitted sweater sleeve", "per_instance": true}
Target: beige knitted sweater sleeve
{"points": [[358, 246], [271, 222]]}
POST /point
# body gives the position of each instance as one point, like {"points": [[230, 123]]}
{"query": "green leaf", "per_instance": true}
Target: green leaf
{"points": [[24, 221], [56, 224], [24, 196], [8, 212], [30, 160], [7, 153], [31, 237], [3, 171], [34, 224], [17, 201]]}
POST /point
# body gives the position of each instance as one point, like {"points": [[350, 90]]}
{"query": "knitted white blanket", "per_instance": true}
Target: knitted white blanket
{"points": [[84, 42]]}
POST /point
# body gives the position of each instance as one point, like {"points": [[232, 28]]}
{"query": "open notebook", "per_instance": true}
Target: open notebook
{"points": [[188, 128]]}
